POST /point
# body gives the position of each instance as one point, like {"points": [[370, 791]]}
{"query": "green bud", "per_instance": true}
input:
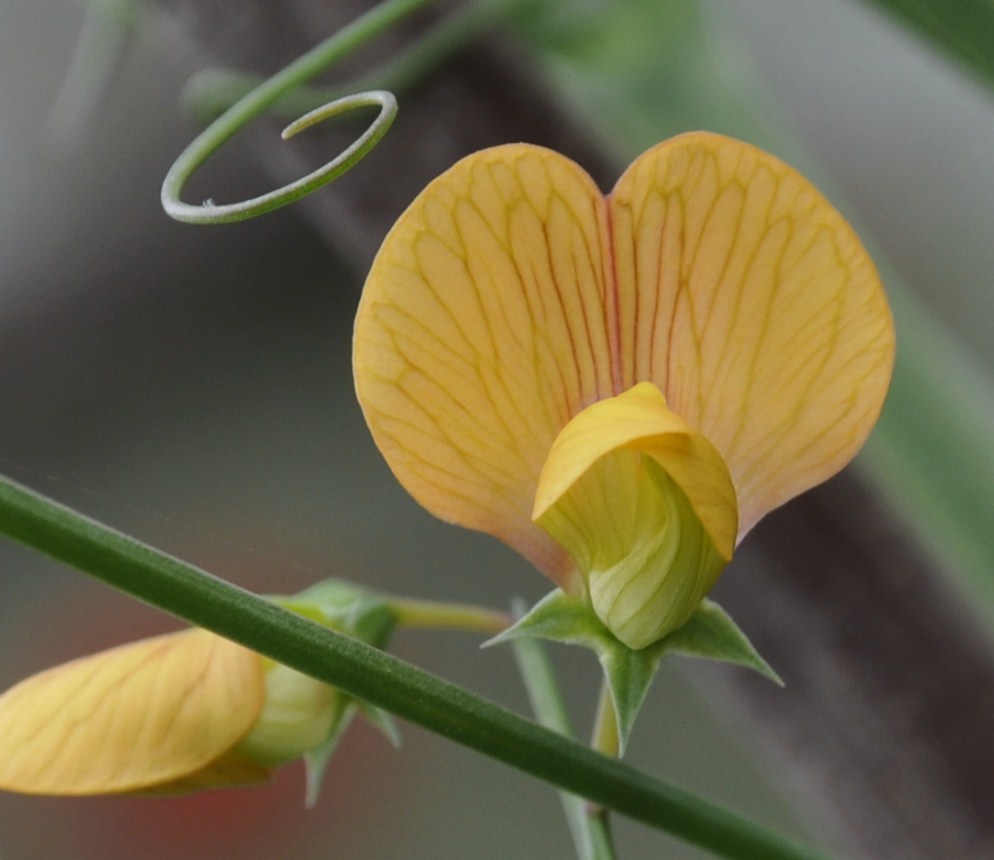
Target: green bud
{"points": [[662, 567], [304, 717], [297, 717], [646, 507]]}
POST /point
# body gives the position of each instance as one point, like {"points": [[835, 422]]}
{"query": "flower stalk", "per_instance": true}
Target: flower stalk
{"points": [[438, 615]]}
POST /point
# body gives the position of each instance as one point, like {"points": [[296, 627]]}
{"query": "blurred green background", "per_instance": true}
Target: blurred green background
{"points": [[193, 387]]}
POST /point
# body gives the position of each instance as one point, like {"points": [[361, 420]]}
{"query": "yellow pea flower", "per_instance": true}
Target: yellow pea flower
{"points": [[174, 713], [620, 387]]}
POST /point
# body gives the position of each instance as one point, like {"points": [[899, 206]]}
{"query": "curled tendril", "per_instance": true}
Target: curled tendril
{"points": [[449, 36], [213, 213], [270, 91]]}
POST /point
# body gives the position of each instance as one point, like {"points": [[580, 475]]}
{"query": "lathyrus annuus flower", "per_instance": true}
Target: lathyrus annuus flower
{"points": [[621, 387]]}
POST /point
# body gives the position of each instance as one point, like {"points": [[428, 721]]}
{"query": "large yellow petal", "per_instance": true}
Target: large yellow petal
{"points": [[646, 508], [751, 303], [510, 296], [483, 328], [137, 717]]}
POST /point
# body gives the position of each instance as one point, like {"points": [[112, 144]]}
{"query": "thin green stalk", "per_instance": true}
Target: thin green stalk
{"points": [[591, 836], [436, 615], [378, 678], [211, 92], [108, 26], [605, 739]]}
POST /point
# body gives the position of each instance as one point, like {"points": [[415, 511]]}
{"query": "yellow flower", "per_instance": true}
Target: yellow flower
{"points": [[174, 713], [620, 388]]}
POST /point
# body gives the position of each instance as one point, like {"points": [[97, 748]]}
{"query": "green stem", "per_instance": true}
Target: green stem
{"points": [[606, 739], [378, 678], [107, 27], [433, 615], [591, 836]]}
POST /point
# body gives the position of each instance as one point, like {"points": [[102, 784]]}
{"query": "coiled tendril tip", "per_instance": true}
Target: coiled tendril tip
{"points": [[266, 94], [210, 212]]}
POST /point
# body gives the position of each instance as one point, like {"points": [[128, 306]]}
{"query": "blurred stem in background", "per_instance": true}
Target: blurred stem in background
{"points": [[638, 71], [212, 91], [588, 824], [107, 29], [964, 29]]}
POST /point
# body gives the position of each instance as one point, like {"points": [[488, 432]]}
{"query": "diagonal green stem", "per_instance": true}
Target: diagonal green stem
{"points": [[378, 678]]}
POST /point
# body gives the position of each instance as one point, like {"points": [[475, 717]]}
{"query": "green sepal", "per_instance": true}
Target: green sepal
{"points": [[561, 618], [346, 608], [710, 633], [383, 721], [316, 761], [363, 615]]}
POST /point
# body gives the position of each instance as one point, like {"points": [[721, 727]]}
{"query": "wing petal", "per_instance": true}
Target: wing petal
{"points": [[135, 717]]}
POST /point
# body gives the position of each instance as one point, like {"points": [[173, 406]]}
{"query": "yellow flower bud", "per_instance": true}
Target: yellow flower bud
{"points": [[180, 712]]}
